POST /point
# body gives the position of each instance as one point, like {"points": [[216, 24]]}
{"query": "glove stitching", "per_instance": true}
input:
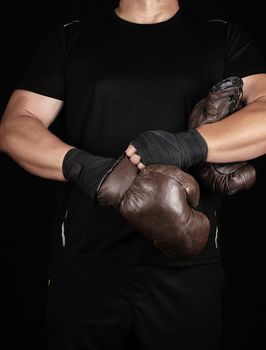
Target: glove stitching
{"points": [[172, 177]]}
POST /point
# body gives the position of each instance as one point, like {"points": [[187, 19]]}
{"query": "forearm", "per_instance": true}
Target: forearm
{"points": [[239, 137], [33, 147]]}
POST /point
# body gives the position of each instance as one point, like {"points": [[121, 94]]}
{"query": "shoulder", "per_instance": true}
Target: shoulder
{"points": [[212, 22], [61, 32], [231, 29], [69, 29], [223, 28], [79, 27], [210, 26]]}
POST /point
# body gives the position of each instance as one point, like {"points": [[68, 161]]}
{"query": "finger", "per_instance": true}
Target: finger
{"points": [[130, 150], [141, 166], [135, 159]]}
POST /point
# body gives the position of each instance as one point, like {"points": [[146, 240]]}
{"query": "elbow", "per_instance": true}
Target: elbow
{"points": [[264, 149], [2, 137], [5, 137], [258, 150], [262, 145]]}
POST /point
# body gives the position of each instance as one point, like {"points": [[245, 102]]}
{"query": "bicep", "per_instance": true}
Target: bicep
{"points": [[254, 88], [27, 103]]}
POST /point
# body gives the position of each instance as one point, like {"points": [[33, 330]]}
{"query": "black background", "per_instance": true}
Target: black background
{"points": [[27, 202]]}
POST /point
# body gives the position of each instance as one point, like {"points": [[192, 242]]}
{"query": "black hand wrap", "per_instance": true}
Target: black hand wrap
{"points": [[85, 170], [182, 149]]}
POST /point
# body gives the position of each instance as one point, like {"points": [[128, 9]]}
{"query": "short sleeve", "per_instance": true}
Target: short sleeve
{"points": [[45, 71], [243, 56]]}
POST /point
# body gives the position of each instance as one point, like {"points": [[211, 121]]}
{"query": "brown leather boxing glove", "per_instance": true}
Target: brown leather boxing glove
{"points": [[223, 99], [160, 203], [114, 186]]}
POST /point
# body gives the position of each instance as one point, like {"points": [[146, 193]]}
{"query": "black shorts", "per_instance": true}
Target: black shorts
{"points": [[146, 307]]}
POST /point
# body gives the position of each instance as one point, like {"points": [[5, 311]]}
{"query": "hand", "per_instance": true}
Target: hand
{"points": [[224, 98], [133, 156], [182, 149], [86, 170], [160, 202]]}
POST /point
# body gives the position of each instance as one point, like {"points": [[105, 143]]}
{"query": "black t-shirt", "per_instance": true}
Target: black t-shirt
{"points": [[118, 79]]}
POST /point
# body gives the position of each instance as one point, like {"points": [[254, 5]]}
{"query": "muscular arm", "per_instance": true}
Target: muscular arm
{"points": [[239, 137], [242, 135], [25, 137]]}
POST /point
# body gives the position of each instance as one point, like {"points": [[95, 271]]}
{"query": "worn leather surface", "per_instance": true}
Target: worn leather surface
{"points": [[160, 202], [223, 99], [114, 187]]}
